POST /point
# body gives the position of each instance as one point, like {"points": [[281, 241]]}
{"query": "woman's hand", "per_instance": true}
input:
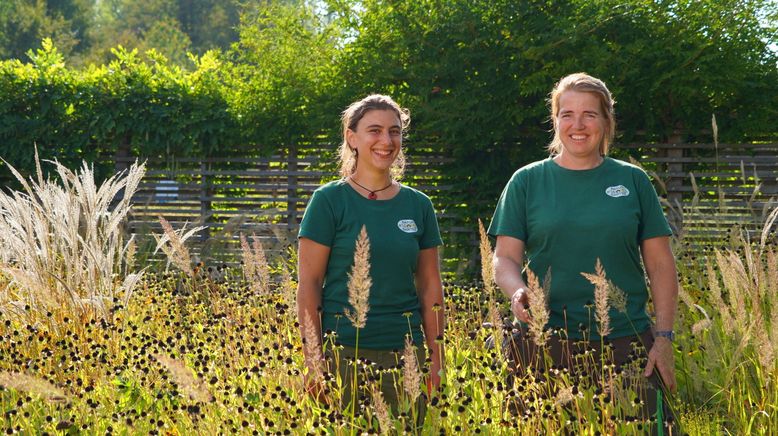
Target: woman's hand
{"points": [[508, 261], [314, 387], [660, 357], [433, 382], [433, 317], [518, 303]]}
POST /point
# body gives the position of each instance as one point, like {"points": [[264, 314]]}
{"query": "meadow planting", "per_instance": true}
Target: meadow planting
{"points": [[95, 342]]}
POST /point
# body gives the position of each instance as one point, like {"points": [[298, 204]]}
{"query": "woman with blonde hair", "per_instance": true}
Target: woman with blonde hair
{"points": [[581, 218], [406, 296]]}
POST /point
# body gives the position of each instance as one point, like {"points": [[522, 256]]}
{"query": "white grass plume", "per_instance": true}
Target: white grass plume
{"points": [[538, 307], [288, 287], [189, 384], [255, 267], [171, 242], [26, 383], [359, 282], [411, 372], [487, 267], [382, 411], [715, 293], [601, 291], [314, 358], [62, 243]]}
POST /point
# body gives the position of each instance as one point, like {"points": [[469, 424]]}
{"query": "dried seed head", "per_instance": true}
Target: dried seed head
{"points": [[359, 282], [189, 384], [26, 383], [538, 308], [411, 372], [487, 267], [601, 291]]}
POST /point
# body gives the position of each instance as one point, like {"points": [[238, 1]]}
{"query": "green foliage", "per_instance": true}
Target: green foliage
{"points": [[149, 108], [246, 351], [285, 60], [86, 30], [477, 73], [23, 23]]}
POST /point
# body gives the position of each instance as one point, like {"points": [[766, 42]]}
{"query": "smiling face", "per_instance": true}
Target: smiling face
{"points": [[580, 125], [377, 140]]}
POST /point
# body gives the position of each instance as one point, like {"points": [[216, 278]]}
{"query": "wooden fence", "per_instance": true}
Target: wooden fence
{"points": [[711, 189], [262, 196], [707, 189]]}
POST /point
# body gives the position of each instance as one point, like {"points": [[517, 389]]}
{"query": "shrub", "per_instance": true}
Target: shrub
{"points": [[62, 244]]}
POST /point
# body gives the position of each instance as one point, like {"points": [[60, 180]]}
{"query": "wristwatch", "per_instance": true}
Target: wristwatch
{"points": [[669, 334]]}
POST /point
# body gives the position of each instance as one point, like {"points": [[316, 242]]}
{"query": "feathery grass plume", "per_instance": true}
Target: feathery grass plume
{"points": [[189, 384], [411, 372], [564, 396], [771, 295], [715, 293], [33, 385], [487, 267], [288, 287], [766, 229], [130, 250], [703, 324], [685, 297], [771, 275], [617, 298], [764, 347], [62, 242], [382, 411], [359, 282], [601, 290], [495, 318], [255, 267], [735, 278], [314, 358], [171, 242], [538, 308]]}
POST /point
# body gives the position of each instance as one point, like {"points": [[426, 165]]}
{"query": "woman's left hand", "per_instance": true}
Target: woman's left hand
{"points": [[433, 382], [661, 357]]}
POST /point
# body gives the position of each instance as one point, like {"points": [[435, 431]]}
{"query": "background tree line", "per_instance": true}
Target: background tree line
{"points": [[475, 73], [86, 30]]}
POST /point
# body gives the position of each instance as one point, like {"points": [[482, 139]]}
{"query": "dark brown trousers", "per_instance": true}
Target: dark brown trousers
{"points": [[594, 364]]}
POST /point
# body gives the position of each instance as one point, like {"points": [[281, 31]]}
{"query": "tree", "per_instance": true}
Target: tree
{"points": [[476, 73], [285, 73], [210, 24], [24, 23]]}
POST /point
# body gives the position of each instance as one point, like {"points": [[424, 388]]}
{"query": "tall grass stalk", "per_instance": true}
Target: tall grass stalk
{"points": [[487, 276], [255, 267], [734, 329], [359, 284], [538, 308], [62, 244], [172, 243]]}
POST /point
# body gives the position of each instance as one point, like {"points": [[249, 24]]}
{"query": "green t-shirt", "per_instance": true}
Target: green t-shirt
{"points": [[569, 218], [398, 229]]}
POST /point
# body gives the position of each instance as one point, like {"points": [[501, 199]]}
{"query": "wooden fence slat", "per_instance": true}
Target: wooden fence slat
{"points": [[242, 193]]}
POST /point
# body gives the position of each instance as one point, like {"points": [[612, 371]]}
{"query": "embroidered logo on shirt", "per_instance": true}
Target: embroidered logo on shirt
{"points": [[407, 226], [617, 191]]}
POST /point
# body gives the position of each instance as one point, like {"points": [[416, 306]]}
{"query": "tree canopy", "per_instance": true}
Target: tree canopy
{"points": [[475, 73]]}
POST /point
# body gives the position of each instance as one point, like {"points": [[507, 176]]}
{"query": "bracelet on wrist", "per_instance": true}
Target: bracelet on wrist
{"points": [[668, 334]]}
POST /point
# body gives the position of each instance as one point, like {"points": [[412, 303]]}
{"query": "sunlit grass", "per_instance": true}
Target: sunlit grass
{"points": [[212, 349]]}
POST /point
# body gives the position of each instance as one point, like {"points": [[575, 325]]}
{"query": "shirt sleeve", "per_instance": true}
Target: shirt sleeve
{"points": [[653, 222], [431, 237], [510, 216], [318, 222]]}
